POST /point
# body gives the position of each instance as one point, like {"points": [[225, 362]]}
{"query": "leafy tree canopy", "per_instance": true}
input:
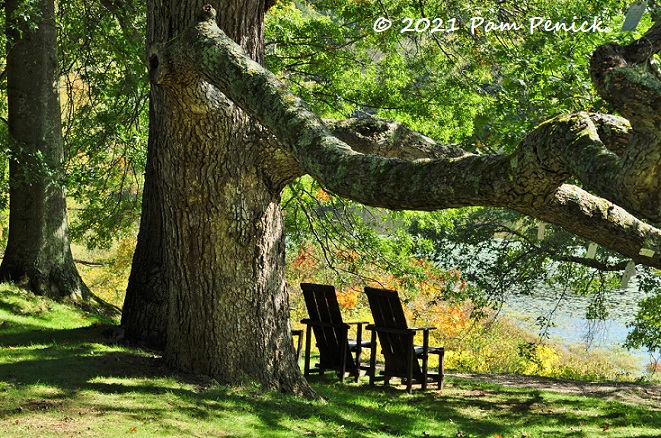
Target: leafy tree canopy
{"points": [[485, 91]]}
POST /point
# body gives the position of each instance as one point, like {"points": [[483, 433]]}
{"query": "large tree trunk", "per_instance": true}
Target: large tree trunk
{"points": [[38, 255], [210, 288]]}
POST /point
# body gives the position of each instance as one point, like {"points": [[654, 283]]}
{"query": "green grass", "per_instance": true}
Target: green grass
{"points": [[58, 377]]}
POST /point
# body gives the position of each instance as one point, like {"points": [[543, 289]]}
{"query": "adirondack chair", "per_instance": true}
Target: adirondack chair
{"points": [[331, 334], [396, 338]]}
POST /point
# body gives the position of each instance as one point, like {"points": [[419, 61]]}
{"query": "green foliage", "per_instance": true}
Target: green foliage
{"points": [[4, 132], [499, 252], [350, 239], [646, 329], [484, 90], [328, 53], [105, 92], [499, 345], [25, 15], [540, 75], [108, 276]]}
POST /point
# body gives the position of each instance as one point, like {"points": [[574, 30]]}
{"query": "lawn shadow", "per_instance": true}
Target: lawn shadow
{"points": [[25, 334], [495, 411], [73, 361]]}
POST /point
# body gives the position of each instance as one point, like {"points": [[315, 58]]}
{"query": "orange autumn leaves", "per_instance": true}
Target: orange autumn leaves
{"points": [[347, 298], [305, 262], [424, 305], [422, 300]]}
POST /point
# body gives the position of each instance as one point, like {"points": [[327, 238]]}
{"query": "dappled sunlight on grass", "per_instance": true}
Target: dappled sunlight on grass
{"points": [[65, 382], [21, 310]]}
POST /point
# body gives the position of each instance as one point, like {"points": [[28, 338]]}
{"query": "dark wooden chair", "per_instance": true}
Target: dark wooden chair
{"points": [[336, 350], [396, 339], [299, 343]]}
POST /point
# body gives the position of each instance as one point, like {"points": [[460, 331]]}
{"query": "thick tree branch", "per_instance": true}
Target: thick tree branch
{"points": [[495, 180], [616, 69], [602, 222], [530, 180], [571, 207]]}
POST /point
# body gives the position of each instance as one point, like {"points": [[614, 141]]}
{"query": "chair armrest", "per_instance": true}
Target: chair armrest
{"points": [[357, 322], [422, 328], [324, 324], [406, 331]]}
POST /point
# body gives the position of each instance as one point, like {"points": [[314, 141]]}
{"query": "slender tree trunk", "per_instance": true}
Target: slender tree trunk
{"points": [[38, 255], [208, 274]]}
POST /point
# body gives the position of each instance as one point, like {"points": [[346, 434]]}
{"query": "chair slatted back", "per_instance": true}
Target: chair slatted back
{"points": [[322, 305], [388, 313]]}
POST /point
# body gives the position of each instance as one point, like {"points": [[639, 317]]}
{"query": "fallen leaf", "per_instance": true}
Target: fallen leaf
{"points": [[133, 429], [605, 427]]}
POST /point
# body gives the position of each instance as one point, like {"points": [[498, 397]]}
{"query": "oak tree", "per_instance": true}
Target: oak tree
{"points": [[226, 136]]}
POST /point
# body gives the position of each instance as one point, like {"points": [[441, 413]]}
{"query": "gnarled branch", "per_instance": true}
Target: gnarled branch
{"points": [[530, 180]]}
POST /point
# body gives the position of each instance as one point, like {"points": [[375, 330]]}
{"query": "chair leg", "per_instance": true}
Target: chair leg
{"points": [[308, 345], [409, 367], [425, 358], [359, 349], [345, 352], [372, 371], [441, 369]]}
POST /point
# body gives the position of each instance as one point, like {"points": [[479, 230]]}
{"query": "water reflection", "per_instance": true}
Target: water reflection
{"points": [[570, 325]]}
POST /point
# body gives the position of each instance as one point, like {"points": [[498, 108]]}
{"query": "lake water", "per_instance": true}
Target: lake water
{"points": [[570, 325]]}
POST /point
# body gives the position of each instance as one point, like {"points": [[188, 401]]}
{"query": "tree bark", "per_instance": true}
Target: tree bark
{"points": [[144, 314], [626, 78], [38, 255], [208, 274]]}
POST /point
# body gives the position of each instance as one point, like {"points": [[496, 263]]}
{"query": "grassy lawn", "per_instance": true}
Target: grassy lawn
{"points": [[60, 377]]}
